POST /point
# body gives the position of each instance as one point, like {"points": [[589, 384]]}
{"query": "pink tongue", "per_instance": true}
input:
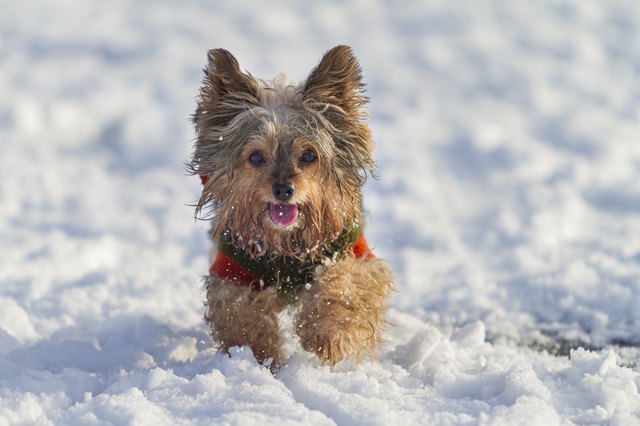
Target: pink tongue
{"points": [[283, 214]]}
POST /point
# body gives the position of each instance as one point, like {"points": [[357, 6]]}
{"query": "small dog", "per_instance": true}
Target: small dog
{"points": [[282, 168]]}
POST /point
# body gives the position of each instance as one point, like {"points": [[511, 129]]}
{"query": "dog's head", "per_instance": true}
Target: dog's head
{"points": [[284, 164]]}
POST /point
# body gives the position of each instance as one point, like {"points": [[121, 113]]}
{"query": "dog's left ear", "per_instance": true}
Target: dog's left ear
{"points": [[334, 89], [337, 81]]}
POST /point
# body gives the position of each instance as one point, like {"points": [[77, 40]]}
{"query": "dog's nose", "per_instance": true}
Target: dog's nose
{"points": [[282, 191]]}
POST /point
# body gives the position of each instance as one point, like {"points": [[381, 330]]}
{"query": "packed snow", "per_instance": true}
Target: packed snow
{"points": [[507, 204]]}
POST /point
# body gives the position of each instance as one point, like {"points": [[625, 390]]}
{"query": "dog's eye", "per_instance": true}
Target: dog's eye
{"points": [[309, 156], [256, 159]]}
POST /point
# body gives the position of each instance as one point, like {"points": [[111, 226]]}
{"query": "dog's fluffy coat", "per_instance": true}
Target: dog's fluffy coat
{"points": [[311, 139]]}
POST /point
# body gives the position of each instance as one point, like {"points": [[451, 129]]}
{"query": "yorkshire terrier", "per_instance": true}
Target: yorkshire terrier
{"points": [[282, 167]]}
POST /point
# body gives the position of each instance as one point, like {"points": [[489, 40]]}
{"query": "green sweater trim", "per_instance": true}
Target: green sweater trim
{"points": [[287, 274]]}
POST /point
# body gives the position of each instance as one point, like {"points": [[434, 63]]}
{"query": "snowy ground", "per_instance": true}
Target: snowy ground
{"points": [[508, 206]]}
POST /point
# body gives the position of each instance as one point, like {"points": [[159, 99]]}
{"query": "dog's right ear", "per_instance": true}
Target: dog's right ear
{"points": [[226, 91]]}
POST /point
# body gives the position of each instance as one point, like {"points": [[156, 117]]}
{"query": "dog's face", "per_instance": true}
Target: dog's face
{"points": [[284, 164]]}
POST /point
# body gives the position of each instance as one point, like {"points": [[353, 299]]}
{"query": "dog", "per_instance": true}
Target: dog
{"points": [[282, 167]]}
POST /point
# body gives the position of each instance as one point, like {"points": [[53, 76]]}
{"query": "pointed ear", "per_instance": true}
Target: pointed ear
{"points": [[335, 90], [225, 76], [225, 91], [337, 81]]}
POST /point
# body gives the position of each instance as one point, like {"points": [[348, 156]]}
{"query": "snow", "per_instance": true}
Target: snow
{"points": [[507, 205]]}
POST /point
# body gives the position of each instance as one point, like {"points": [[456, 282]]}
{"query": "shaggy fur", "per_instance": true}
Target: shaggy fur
{"points": [[342, 314], [253, 134], [240, 317]]}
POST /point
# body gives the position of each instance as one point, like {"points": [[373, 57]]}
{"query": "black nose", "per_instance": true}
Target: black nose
{"points": [[282, 191]]}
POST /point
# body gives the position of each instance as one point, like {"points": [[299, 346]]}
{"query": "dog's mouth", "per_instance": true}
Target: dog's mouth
{"points": [[283, 215]]}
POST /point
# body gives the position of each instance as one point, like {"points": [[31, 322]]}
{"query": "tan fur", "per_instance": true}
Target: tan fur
{"points": [[238, 117], [322, 208], [342, 314], [239, 317]]}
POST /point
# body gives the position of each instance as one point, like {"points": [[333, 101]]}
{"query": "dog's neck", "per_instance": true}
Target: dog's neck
{"points": [[287, 273]]}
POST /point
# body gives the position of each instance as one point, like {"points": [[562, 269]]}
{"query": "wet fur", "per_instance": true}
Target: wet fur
{"points": [[342, 315], [238, 115], [240, 317]]}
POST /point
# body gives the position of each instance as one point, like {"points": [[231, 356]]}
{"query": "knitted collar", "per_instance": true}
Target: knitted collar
{"points": [[288, 274]]}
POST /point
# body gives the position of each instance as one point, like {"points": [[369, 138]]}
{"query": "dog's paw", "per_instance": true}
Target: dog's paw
{"points": [[333, 330]]}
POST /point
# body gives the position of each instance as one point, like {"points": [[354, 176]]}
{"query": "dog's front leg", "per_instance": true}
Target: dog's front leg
{"points": [[341, 315], [237, 317]]}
